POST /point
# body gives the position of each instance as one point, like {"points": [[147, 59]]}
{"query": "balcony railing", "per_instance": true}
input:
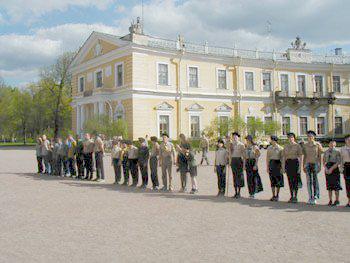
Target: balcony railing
{"points": [[234, 52]]}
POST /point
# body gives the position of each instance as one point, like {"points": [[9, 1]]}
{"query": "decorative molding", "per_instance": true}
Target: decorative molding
{"points": [[223, 108], [195, 107], [164, 106]]}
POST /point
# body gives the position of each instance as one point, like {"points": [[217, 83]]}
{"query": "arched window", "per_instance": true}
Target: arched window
{"points": [[119, 112]]}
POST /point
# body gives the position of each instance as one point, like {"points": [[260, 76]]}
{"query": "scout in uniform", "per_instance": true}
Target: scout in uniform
{"points": [[192, 167], [345, 160], [132, 158], [99, 153], [45, 154], [312, 166], [143, 158], [166, 159], [252, 154], [153, 162], [331, 162], [292, 153], [221, 161], [88, 149], [80, 158], [274, 160], [236, 152], [204, 145], [125, 162], [39, 157], [116, 156], [71, 144], [182, 161]]}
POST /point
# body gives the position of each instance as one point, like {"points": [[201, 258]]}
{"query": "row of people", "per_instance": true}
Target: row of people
{"points": [[310, 157]]}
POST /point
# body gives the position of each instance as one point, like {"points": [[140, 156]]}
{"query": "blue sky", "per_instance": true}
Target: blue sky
{"points": [[33, 33]]}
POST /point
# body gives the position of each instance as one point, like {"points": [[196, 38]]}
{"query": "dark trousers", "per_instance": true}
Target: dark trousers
{"points": [[100, 173], [47, 163], [144, 173], [221, 173], [126, 171], [347, 178], [88, 165], [39, 160], [80, 165], [134, 171], [71, 166], [117, 170], [58, 165], [154, 170]]}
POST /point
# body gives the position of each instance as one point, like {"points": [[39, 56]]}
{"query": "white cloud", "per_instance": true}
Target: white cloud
{"points": [[22, 9]]}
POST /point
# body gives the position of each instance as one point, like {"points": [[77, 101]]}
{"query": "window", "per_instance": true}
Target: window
{"points": [[284, 82], [249, 81], [81, 84], [119, 112], [193, 77], [320, 125], [301, 84], [336, 84], [303, 125], [98, 82], [120, 75], [338, 123], [268, 119], [163, 74], [163, 124], [267, 81], [319, 84], [195, 126], [222, 79], [285, 125]]}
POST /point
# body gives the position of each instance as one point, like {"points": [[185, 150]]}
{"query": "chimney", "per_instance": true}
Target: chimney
{"points": [[338, 51]]}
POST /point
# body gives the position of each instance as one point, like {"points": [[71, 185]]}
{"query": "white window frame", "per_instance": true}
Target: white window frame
{"points": [[290, 123], [307, 124], [325, 124], [116, 74], [188, 76], [169, 81], [84, 85], [340, 85], [196, 114], [217, 78], [262, 80], [343, 124], [95, 79], [245, 81], [297, 82], [166, 113], [323, 82], [280, 80]]}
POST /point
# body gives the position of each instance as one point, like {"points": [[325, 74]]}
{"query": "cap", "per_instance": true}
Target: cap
{"points": [[221, 141], [291, 134], [236, 133], [312, 133], [154, 138], [274, 138], [165, 134], [249, 138]]}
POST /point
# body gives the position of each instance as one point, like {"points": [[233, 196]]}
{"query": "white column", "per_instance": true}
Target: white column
{"points": [[82, 117], [101, 107], [78, 119]]}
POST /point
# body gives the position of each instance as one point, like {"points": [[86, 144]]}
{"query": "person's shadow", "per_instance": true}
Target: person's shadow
{"points": [[251, 202]]}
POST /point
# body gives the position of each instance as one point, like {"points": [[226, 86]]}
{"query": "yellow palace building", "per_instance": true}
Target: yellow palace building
{"points": [[160, 85]]}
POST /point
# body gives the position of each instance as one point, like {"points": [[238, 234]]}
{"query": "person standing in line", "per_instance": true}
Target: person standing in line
{"points": [[274, 160], [166, 159], [116, 160], [204, 145], [65, 158], [46, 155], [71, 145], [292, 154], [80, 158], [133, 159], [99, 154], [182, 161], [192, 167], [236, 152], [153, 161], [39, 157], [143, 158], [88, 149], [345, 165], [125, 162], [58, 156], [252, 154], [331, 162], [221, 161], [312, 166]]}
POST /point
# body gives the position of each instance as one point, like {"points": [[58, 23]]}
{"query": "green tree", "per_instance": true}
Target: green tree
{"points": [[255, 126], [271, 127], [104, 125], [222, 126]]}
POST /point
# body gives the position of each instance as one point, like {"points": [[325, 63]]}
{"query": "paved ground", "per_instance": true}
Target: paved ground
{"points": [[50, 219]]}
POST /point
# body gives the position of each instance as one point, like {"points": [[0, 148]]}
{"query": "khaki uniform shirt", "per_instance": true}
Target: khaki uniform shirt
{"points": [[116, 151], [345, 154], [155, 150], [332, 156], [88, 146], [292, 151], [221, 156], [133, 152], [236, 149], [312, 152], [274, 152], [252, 152], [167, 151], [204, 144]]}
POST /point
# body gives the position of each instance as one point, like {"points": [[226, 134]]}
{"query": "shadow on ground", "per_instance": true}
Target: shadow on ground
{"points": [[284, 206]]}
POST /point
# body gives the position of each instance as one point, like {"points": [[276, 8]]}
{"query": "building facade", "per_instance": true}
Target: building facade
{"points": [[159, 85]]}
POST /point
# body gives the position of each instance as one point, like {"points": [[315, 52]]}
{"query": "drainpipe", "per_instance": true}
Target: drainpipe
{"points": [[178, 97], [332, 105]]}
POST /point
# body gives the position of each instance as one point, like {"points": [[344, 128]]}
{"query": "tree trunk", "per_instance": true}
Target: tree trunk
{"points": [[56, 115]]}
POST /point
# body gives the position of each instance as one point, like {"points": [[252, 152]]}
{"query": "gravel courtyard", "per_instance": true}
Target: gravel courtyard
{"points": [[51, 219]]}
